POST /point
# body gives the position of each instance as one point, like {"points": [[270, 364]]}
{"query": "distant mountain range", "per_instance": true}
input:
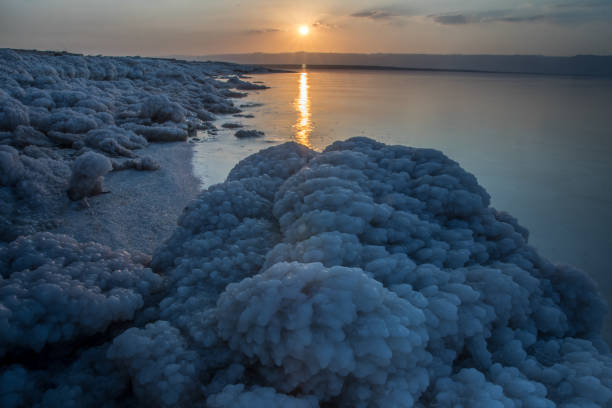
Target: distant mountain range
{"points": [[582, 65]]}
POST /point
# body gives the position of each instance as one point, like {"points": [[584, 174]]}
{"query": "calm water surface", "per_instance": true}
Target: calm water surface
{"points": [[541, 146]]}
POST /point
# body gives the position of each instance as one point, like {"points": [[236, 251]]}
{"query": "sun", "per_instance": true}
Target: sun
{"points": [[303, 30]]}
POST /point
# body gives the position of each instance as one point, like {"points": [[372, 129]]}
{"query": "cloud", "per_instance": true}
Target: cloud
{"points": [[460, 18], [325, 25], [566, 13], [385, 13], [522, 19], [450, 19], [584, 4], [373, 14]]}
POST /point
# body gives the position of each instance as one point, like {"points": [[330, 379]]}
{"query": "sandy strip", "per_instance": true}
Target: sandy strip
{"points": [[142, 208]]}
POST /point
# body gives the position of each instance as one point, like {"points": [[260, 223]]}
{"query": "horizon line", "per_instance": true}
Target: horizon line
{"points": [[394, 53]]}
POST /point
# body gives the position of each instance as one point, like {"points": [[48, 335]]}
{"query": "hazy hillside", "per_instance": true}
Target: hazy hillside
{"points": [[590, 65]]}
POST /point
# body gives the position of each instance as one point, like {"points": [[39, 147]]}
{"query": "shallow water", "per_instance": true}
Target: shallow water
{"points": [[541, 146]]}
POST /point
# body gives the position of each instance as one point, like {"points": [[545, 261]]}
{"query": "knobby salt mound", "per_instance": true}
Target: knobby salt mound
{"points": [[363, 276], [87, 174], [54, 289]]}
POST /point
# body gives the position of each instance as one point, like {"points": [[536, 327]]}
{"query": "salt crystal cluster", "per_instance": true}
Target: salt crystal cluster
{"points": [[55, 290], [363, 276]]}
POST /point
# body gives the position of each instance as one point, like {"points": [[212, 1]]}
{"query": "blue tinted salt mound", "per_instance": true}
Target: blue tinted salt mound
{"points": [[54, 290], [363, 276], [88, 171]]}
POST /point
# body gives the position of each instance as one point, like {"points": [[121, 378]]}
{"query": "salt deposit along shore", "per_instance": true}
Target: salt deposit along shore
{"points": [[55, 107], [365, 275]]}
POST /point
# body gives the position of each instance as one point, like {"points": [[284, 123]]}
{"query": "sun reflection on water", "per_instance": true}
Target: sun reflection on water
{"points": [[303, 126]]}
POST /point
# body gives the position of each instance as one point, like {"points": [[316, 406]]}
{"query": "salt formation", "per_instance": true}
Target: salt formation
{"points": [[235, 82], [231, 125], [56, 106], [363, 276], [115, 141], [54, 289], [31, 181], [244, 134], [164, 370], [88, 171]]}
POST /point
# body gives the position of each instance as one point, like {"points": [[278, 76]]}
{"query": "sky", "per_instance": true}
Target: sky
{"points": [[201, 27]]}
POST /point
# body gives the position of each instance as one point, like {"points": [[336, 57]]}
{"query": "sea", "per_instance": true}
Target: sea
{"points": [[540, 145]]}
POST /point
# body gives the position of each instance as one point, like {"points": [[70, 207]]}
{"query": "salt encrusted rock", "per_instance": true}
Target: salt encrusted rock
{"points": [[160, 133], [115, 141], [160, 109], [88, 172], [231, 125], [243, 134], [237, 83]]}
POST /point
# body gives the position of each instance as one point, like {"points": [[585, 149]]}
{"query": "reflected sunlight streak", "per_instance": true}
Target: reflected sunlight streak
{"points": [[303, 125]]}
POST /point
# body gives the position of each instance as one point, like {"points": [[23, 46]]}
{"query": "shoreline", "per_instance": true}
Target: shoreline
{"points": [[130, 115]]}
